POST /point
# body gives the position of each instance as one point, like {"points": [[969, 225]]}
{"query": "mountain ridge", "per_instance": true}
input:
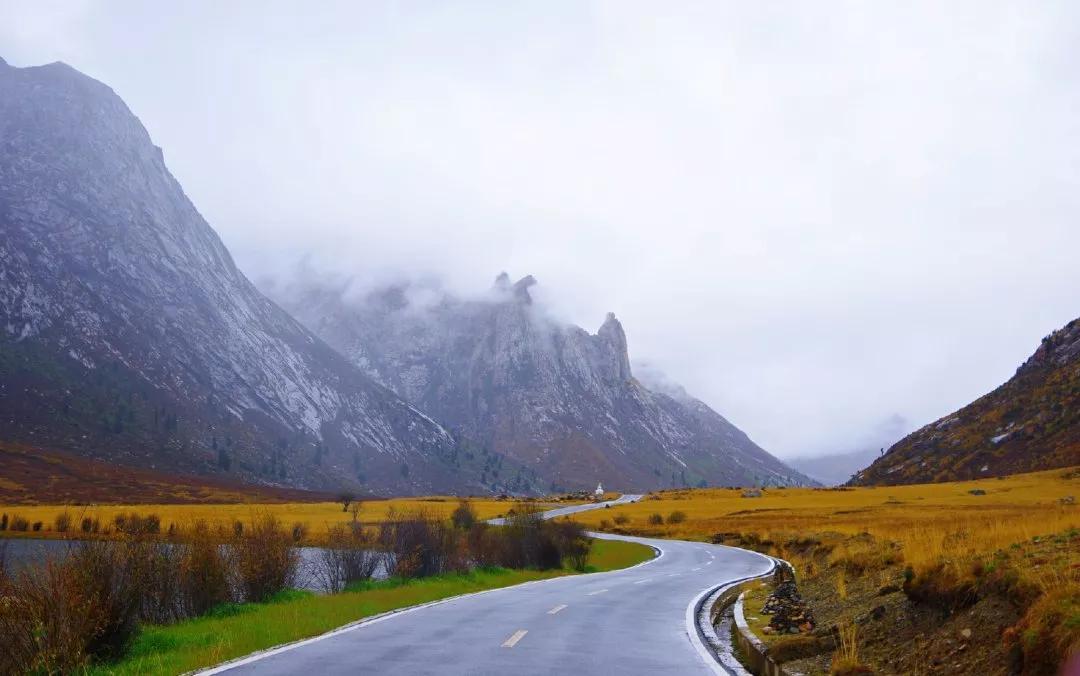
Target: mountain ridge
{"points": [[558, 399], [127, 332], [1029, 423]]}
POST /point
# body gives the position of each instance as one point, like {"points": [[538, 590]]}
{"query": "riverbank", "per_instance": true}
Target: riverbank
{"points": [[236, 630]]}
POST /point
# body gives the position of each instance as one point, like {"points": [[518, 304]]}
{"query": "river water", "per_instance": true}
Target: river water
{"points": [[21, 552]]}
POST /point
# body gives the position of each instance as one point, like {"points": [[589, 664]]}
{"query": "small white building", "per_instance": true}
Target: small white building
{"points": [[598, 494]]}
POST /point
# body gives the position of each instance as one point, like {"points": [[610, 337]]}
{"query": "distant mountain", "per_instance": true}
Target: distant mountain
{"points": [[128, 334], [836, 468], [560, 401], [1032, 422]]}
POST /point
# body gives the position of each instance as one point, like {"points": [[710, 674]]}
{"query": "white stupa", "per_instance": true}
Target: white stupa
{"points": [[599, 492]]}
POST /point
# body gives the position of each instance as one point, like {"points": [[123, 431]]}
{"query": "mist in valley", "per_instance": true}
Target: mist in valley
{"points": [[832, 231]]}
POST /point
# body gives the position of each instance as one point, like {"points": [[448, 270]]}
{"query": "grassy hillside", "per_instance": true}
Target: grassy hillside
{"points": [[1031, 422]]}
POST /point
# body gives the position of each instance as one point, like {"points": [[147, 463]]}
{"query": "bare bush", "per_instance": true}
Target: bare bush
{"points": [[46, 619], [463, 516], [111, 576], [62, 523], [418, 544], [572, 543], [676, 517], [19, 523], [266, 559], [349, 556], [132, 523], [205, 573]]}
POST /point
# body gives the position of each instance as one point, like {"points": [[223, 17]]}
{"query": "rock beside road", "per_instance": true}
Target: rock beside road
{"points": [[790, 613]]}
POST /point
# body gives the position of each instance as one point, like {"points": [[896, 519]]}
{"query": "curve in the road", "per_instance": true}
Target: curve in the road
{"points": [[631, 621]]}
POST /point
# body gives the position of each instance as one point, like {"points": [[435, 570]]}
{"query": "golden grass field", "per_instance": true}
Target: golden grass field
{"points": [[316, 516], [928, 521]]}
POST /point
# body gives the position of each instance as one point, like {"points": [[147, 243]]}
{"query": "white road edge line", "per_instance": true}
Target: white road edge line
{"points": [[594, 593], [517, 636], [691, 620], [694, 570], [375, 619], [643, 581], [556, 609]]}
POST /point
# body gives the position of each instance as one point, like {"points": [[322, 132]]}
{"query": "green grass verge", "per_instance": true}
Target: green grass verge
{"points": [[235, 630]]}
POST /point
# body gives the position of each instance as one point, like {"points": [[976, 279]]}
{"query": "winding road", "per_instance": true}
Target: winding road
{"points": [[631, 621]]}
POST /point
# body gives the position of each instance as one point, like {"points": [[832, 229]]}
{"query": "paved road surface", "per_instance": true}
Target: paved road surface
{"points": [[626, 622]]}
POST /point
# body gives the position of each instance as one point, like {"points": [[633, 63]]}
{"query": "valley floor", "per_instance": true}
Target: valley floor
{"points": [[977, 577]]}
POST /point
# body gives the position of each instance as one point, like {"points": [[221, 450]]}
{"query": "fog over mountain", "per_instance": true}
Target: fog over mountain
{"points": [[505, 375], [812, 221]]}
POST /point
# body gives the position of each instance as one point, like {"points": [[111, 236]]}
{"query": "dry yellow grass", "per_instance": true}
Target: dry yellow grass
{"points": [[928, 521], [318, 517]]}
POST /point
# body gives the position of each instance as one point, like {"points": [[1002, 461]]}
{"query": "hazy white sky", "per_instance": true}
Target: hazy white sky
{"points": [[832, 222]]}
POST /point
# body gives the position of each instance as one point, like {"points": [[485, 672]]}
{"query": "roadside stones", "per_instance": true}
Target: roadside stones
{"points": [[977, 491], [790, 613], [752, 493], [1068, 500], [966, 633]]}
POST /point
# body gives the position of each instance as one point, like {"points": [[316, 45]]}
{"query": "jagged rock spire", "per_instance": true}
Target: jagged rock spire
{"points": [[612, 334]]}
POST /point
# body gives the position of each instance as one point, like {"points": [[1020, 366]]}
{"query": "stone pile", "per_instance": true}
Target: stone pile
{"points": [[790, 613]]}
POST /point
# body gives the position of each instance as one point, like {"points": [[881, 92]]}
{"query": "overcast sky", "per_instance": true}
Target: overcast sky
{"points": [[832, 222]]}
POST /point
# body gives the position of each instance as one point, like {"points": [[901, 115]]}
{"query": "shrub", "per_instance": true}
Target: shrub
{"points": [[3, 521], [46, 621], [37, 526], [62, 523], [418, 544], [656, 519], [676, 517], [349, 556], [109, 577], [205, 573], [464, 516], [266, 559], [572, 543], [132, 523], [621, 519]]}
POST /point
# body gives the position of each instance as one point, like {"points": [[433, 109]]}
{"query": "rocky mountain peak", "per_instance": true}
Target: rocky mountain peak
{"points": [[1059, 348], [557, 401], [127, 332], [612, 335], [521, 289]]}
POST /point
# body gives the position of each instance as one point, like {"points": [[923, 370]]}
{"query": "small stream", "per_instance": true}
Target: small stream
{"points": [[22, 552]]}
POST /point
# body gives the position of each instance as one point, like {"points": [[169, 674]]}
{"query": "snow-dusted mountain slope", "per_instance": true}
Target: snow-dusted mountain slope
{"points": [[127, 333], [563, 402]]}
